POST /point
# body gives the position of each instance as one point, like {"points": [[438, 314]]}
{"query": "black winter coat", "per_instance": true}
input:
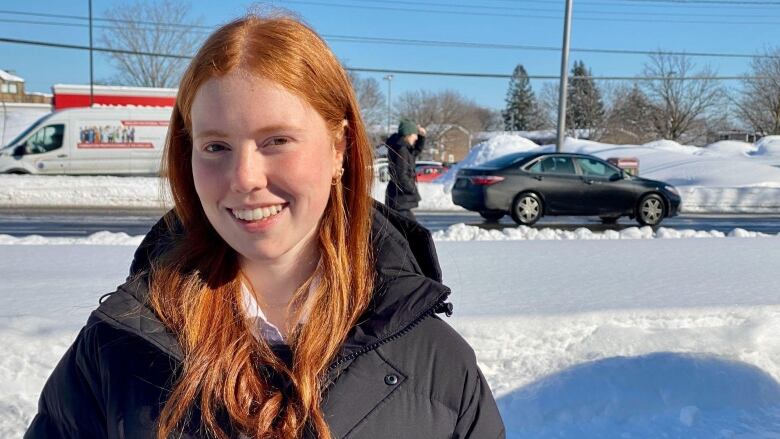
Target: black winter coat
{"points": [[403, 372], [401, 193]]}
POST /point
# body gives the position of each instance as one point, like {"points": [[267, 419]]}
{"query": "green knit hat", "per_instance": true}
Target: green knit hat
{"points": [[407, 127]]}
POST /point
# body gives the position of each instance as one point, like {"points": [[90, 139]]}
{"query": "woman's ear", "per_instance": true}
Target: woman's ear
{"points": [[339, 146]]}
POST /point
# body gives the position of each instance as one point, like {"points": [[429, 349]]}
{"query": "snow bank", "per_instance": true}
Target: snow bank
{"points": [[496, 146], [99, 238], [730, 148], [768, 146], [608, 338], [462, 232], [721, 180]]}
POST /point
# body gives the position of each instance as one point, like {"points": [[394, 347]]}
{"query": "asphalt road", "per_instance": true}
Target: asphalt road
{"points": [[80, 223]]}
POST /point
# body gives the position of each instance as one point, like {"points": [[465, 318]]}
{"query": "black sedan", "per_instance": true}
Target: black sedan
{"points": [[530, 185]]}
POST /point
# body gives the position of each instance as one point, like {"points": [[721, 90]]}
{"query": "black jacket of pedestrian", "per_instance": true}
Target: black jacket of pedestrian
{"points": [[401, 193], [402, 373]]}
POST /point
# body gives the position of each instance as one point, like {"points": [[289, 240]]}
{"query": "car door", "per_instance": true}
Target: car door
{"points": [[44, 150], [558, 182], [604, 189]]}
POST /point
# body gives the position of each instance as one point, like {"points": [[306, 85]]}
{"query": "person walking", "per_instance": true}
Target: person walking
{"points": [[403, 147], [277, 300]]}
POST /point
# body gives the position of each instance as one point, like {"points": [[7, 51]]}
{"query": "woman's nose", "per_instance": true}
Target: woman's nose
{"points": [[249, 171]]}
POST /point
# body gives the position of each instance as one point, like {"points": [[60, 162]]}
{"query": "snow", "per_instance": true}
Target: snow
{"points": [[462, 232], [725, 177], [5, 76], [578, 338]]}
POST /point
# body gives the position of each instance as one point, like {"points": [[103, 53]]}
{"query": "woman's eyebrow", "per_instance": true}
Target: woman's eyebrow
{"points": [[259, 131], [210, 133]]}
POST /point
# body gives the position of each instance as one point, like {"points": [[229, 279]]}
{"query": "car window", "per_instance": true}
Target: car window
{"points": [[45, 139], [554, 165], [596, 168]]}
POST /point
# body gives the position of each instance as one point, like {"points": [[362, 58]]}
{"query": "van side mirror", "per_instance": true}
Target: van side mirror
{"points": [[18, 150]]}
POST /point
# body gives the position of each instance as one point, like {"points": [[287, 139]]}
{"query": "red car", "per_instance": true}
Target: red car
{"points": [[427, 172]]}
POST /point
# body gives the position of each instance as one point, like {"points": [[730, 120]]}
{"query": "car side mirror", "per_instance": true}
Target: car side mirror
{"points": [[18, 150], [617, 176]]}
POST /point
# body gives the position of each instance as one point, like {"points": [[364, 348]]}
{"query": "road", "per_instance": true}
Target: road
{"points": [[76, 224]]}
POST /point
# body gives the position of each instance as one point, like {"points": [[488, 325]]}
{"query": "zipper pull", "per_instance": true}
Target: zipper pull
{"points": [[443, 307]]}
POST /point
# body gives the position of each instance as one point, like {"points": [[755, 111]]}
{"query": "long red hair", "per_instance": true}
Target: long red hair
{"points": [[195, 286]]}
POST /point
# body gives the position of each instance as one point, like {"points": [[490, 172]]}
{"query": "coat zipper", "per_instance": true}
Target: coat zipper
{"points": [[440, 306]]}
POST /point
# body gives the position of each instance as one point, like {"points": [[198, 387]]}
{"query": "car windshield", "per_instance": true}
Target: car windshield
{"points": [[504, 161], [29, 129]]}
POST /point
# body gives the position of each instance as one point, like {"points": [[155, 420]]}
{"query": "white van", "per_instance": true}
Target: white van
{"points": [[100, 140]]}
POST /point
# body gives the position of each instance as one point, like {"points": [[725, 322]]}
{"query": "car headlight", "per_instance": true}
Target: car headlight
{"points": [[671, 189]]}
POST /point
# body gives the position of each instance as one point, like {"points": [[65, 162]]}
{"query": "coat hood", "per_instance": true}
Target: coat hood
{"points": [[407, 287]]}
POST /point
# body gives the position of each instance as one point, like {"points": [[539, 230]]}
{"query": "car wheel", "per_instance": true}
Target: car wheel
{"points": [[651, 210], [492, 215], [526, 209], [609, 219]]}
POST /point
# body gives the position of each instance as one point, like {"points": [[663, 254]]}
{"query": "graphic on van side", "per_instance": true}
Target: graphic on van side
{"points": [[130, 134]]}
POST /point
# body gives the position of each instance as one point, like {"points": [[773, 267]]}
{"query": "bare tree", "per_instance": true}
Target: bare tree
{"points": [[161, 27], [630, 116], [680, 97], [759, 103], [370, 98], [438, 111]]}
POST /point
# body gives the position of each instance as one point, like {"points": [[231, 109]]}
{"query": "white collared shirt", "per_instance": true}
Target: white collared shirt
{"points": [[260, 326]]}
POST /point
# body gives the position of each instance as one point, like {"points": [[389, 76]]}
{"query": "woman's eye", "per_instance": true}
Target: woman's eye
{"points": [[278, 141], [213, 147]]}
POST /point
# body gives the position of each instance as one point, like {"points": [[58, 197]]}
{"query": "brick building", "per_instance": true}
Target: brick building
{"points": [[12, 90]]}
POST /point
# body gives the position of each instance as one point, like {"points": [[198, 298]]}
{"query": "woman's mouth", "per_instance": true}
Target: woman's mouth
{"points": [[258, 214]]}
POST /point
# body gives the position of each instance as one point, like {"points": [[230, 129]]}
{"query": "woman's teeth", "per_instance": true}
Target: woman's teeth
{"points": [[257, 214]]}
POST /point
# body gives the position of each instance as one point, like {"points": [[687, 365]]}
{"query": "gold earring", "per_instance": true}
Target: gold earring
{"points": [[337, 177]]}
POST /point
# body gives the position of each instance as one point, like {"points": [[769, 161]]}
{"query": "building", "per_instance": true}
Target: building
{"points": [[12, 90]]}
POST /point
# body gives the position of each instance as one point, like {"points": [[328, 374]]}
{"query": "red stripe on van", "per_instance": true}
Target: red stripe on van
{"points": [[143, 145], [145, 123]]}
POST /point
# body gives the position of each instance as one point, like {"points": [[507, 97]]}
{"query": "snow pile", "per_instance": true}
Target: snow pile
{"points": [[607, 338], [99, 238], [496, 146], [89, 192], [462, 232], [723, 180], [768, 146], [730, 148]]}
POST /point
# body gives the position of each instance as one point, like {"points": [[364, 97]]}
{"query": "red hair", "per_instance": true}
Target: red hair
{"points": [[195, 287]]}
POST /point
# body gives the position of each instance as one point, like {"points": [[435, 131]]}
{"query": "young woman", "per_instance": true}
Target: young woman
{"points": [[276, 300]]}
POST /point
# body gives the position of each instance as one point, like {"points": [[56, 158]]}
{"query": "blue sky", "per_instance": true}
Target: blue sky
{"points": [[721, 26]]}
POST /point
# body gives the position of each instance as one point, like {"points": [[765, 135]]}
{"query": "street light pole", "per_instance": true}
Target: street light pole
{"points": [[564, 78], [389, 79], [91, 81]]}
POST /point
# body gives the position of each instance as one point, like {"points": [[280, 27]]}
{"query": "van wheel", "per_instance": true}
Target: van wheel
{"points": [[526, 209]]}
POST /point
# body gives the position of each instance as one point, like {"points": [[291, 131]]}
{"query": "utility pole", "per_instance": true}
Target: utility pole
{"points": [[389, 79], [91, 71], [564, 78]]}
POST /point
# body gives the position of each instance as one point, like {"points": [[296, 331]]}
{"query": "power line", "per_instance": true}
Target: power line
{"points": [[713, 2], [557, 10], [540, 17], [408, 42], [397, 71]]}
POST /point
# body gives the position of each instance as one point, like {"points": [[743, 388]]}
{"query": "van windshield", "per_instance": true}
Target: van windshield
{"points": [[29, 129]]}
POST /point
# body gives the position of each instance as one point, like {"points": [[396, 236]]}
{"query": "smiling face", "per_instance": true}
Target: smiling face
{"points": [[262, 161]]}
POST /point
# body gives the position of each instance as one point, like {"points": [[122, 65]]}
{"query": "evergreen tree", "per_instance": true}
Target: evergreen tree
{"points": [[585, 109], [522, 112]]}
